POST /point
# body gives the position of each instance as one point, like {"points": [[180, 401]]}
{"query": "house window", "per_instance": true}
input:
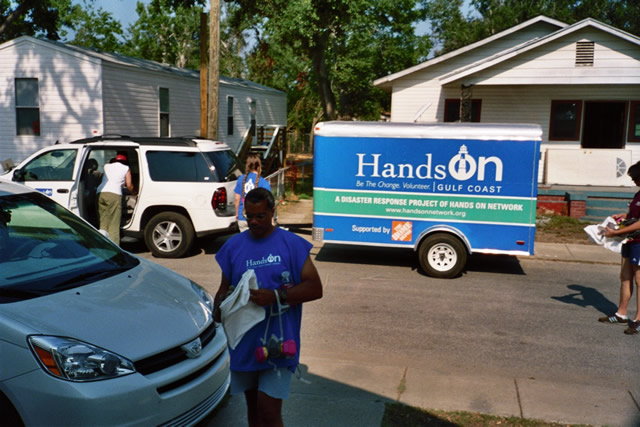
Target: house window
{"points": [[634, 122], [164, 112], [230, 115], [27, 107], [565, 120], [452, 110]]}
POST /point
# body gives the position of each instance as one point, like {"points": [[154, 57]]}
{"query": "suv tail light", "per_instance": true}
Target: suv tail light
{"points": [[219, 199]]}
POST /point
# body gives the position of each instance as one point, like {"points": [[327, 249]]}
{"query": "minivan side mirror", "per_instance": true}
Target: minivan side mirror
{"points": [[18, 175]]}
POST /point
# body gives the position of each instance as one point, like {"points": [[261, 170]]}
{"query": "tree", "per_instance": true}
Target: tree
{"points": [[451, 30], [32, 18], [94, 28], [337, 46], [166, 34]]}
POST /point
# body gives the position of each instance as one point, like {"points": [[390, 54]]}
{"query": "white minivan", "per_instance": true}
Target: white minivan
{"points": [[184, 185]]}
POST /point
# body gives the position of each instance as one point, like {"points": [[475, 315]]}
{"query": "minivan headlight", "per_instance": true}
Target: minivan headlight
{"points": [[75, 360], [205, 296]]}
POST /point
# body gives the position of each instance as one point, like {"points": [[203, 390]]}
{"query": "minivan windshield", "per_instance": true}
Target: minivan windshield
{"points": [[45, 248]]}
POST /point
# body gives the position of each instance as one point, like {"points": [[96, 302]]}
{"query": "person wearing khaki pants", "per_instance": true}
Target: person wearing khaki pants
{"points": [[116, 174]]}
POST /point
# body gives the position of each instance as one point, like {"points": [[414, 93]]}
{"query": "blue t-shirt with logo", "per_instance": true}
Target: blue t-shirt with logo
{"points": [[277, 261], [249, 184]]}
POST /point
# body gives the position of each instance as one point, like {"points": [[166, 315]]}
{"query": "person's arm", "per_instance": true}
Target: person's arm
{"points": [[619, 216], [223, 290], [610, 232], [237, 203], [128, 181], [309, 288]]}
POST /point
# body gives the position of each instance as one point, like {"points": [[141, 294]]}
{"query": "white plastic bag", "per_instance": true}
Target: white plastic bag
{"points": [[238, 313], [595, 233]]}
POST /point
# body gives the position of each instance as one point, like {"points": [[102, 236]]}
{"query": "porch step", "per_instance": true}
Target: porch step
{"points": [[601, 206]]}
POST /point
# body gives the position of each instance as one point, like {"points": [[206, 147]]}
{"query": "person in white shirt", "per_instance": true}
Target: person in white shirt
{"points": [[116, 174]]}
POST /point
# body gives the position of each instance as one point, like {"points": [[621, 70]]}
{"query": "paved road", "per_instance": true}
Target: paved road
{"points": [[511, 337]]}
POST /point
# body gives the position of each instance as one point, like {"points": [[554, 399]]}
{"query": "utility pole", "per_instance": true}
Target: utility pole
{"points": [[203, 75], [214, 70]]}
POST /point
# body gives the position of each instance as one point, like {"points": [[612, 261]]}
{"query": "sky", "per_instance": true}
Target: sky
{"points": [[122, 10], [125, 12]]}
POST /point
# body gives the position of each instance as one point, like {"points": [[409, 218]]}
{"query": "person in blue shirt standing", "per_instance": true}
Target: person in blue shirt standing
{"points": [[250, 180], [264, 360]]}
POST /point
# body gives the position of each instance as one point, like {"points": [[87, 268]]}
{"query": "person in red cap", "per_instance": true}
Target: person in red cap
{"points": [[116, 174]]}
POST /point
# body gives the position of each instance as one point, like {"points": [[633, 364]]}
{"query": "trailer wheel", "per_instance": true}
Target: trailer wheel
{"points": [[169, 235], [442, 255]]}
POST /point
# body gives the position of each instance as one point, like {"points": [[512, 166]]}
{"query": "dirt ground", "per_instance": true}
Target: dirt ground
{"points": [[559, 236]]}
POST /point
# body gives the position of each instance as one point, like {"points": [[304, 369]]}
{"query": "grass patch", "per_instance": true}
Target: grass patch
{"points": [[400, 415], [561, 226]]}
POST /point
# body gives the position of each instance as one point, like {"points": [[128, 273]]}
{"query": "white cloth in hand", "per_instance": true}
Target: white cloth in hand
{"points": [[595, 233], [238, 313]]}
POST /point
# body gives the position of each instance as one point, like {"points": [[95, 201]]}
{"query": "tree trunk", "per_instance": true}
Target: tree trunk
{"points": [[327, 98]]}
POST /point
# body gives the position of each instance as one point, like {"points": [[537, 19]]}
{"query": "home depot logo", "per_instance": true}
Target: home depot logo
{"points": [[401, 231]]}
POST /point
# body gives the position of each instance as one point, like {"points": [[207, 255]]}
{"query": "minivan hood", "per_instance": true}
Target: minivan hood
{"points": [[138, 313]]}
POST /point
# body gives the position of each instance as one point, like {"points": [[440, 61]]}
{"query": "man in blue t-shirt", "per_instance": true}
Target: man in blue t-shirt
{"points": [[263, 361]]}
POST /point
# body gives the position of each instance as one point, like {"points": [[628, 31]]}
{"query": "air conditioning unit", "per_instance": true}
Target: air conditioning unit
{"points": [[588, 167]]}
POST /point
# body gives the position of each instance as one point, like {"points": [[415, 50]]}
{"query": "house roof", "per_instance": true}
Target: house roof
{"points": [[96, 55], [386, 82], [532, 44]]}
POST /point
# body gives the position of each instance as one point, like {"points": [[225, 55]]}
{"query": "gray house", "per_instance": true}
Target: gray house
{"points": [[51, 92], [580, 82]]}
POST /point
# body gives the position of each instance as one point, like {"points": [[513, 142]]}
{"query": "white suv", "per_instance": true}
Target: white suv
{"points": [[184, 185]]}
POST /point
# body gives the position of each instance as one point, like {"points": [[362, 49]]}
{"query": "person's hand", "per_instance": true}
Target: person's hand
{"points": [[262, 297], [609, 232], [619, 216]]}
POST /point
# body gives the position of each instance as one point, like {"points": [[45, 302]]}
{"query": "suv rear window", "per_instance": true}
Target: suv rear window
{"points": [[226, 165], [178, 166]]}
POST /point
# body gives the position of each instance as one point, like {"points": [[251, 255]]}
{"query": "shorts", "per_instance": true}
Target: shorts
{"points": [[272, 382], [631, 251]]}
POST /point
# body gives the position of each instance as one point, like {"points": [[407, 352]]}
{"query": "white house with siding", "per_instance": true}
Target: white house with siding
{"points": [[51, 92], [580, 82]]}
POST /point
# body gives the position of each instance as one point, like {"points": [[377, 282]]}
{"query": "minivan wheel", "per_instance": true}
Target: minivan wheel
{"points": [[8, 413], [442, 255], [169, 235]]}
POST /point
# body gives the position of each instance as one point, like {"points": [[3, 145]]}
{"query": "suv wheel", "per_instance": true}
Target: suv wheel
{"points": [[169, 235]]}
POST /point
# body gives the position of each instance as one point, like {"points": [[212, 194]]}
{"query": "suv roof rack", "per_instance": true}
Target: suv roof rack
{"points": [[185, 141]]}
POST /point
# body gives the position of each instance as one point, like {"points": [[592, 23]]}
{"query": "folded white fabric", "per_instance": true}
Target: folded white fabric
{"points": [[238, 314], [595, 234]]}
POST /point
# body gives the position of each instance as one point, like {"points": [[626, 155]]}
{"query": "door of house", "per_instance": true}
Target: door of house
{"points": [[604, 124]]}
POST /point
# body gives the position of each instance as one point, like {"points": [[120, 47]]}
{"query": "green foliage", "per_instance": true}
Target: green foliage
{"points": [[40, 18], [94, 27], [451, 30], [165, 34], [326, 53]]}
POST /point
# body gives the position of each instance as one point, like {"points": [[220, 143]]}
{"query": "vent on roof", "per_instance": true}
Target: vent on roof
{"points": [[584, 54]]}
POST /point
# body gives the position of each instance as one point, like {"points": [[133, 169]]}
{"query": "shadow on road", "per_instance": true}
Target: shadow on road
{"points": [[587, 297], [316, 401], [502, 264], [355, 254]]}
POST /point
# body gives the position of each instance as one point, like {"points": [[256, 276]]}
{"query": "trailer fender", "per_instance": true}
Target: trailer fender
{"points": [[442, 228]]}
